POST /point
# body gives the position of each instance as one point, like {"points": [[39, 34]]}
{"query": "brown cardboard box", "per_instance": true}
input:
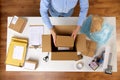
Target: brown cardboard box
{"points": [[64, 41], [64, 29], [80, 45], [19, 24], [48, 45]]}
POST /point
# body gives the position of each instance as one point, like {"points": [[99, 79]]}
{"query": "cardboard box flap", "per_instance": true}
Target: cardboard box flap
{"points": [[64, 56], [64, 41], [91, 48], [81, 43], [46, 43], [64, 29], [19, 25], [92, 45]]}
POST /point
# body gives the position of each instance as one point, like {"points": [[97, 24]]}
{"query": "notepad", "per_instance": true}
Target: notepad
{"points": [[18, 52], [35, 35]]}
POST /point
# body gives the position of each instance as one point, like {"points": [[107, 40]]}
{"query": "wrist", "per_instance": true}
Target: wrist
{"points": [[78, 28], [52, 31]]}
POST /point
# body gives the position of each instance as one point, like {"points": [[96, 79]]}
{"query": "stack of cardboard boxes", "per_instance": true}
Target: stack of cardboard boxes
{"points": [[18, 46]]}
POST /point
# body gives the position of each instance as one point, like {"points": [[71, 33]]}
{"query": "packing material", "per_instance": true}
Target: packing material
{"points": [[16, 52]]}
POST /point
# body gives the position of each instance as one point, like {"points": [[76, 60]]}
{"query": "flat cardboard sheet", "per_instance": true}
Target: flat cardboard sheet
{"points": [[46, 43], [81, 43], [64, 41], [64, 56]]}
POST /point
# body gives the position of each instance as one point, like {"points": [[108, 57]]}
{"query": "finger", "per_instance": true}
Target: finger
{"points": [[72, 35], [55, 41]]}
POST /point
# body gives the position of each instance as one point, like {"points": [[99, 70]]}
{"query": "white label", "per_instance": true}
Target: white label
{"points": [[63, 48], [14, 20], [29, 65], [18, 52]]}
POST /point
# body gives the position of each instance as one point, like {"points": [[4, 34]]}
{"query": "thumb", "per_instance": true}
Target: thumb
{"points": [[74, 36], [55, 41]]}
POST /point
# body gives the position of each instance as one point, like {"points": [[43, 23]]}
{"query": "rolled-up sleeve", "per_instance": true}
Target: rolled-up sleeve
{"points": [[44, 5], [84, 5]]}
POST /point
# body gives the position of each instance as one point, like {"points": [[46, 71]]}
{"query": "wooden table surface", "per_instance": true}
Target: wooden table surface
{"points": [[31, 8]]}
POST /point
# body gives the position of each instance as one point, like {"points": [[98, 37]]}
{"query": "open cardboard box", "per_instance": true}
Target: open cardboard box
{"points": [[64, 34]]}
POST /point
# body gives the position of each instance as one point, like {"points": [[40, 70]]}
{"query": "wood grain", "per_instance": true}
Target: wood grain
{"points": [[31, 8]]}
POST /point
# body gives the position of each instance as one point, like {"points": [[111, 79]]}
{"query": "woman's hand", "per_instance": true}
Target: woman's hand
{"points": [[75, 32], [53, 35]]}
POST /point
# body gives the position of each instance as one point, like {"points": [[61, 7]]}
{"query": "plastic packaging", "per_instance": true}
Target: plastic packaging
{"points": [[100, 37]]}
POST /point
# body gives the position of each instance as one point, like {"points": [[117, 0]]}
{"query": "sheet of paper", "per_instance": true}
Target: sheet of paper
{"points": [[18, 52], [35, 36], [14, 20], [29, 65]]}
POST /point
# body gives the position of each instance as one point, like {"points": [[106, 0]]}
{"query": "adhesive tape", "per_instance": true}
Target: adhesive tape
{"points": [[79, 65]]}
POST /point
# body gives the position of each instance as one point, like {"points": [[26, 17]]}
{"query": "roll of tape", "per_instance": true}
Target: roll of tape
{"points": [[79, 65]]}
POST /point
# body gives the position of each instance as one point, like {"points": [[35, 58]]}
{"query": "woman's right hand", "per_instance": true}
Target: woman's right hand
{"points": [[53, 35]]}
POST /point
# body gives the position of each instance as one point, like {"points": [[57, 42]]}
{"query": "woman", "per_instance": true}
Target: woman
{"points": [[62, 8]]}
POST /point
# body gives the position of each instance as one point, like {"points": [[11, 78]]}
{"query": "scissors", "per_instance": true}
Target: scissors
{"points": [[46, 58]]}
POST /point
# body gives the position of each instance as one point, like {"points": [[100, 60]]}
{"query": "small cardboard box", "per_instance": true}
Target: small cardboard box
{"points": [[16, 52], [48, 45], [31, 64], [18, 24], [64, 41]]}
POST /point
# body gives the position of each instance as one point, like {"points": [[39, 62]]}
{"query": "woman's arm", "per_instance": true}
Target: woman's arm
{"points": [[44, 6]]}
